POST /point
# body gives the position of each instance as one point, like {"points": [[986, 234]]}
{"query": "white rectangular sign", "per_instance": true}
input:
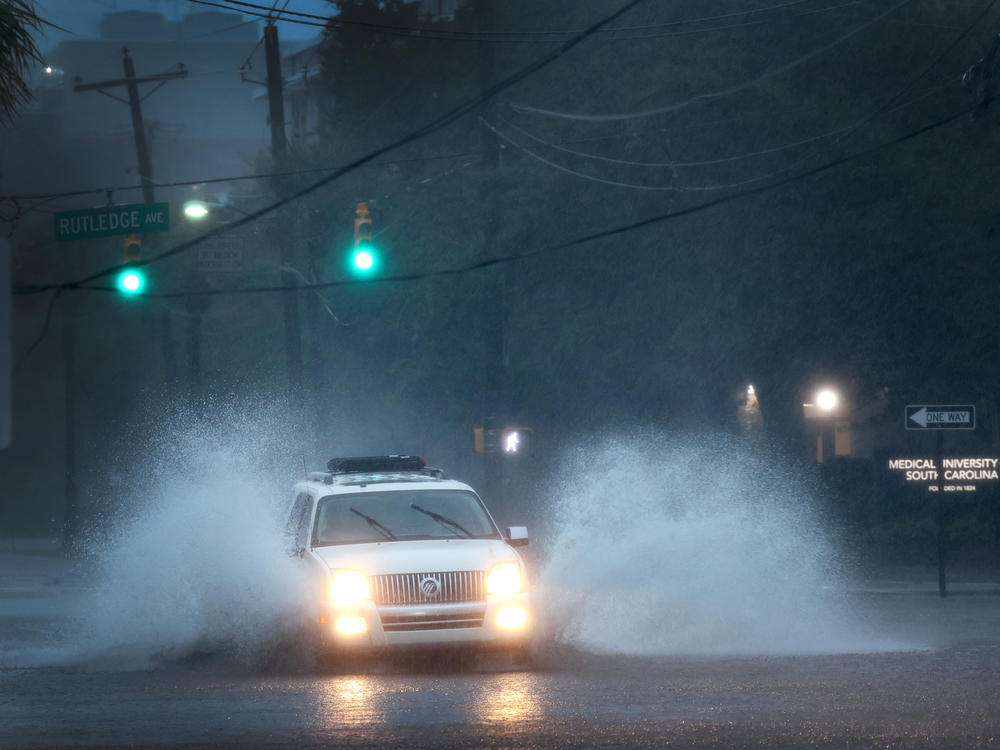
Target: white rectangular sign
{"points": [[220, 259], [923, 417]]}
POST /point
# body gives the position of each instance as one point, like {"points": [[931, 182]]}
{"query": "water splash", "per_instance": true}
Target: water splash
{"points": [[663, 546], [191, 560]]}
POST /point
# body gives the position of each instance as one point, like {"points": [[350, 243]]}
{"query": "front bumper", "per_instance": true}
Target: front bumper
{"points": [[472, 624]]}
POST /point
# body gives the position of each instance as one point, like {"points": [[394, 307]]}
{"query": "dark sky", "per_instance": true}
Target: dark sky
{"points": [[83, 16]]}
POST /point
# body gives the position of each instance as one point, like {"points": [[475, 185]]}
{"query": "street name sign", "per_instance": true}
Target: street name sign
{"points": [[924, 417], [134, 218]]}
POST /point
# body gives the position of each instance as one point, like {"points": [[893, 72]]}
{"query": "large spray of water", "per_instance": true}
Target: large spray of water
{"points": [[653, 545], [662, 545], [192, 556]]}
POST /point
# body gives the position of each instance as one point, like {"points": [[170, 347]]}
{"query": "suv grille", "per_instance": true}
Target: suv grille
{"points": [[429, 588]]}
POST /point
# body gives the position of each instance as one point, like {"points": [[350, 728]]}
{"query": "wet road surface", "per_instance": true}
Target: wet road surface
{"points": [[940, 688]]}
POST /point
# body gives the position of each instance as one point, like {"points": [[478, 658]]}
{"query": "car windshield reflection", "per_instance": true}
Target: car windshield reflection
{"points": [[401, 515]]}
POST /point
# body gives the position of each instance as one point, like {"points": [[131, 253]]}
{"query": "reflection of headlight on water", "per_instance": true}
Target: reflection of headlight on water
{"points": [[349, 588], [350, 702], [510, 698]]}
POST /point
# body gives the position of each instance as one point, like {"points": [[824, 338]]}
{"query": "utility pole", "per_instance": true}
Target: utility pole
{"points": [[275, 84], [493, 292], [71, 510], [276, 115], [131, 83]]}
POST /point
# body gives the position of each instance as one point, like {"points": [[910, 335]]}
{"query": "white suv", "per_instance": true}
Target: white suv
{"points": [[403, 556]]}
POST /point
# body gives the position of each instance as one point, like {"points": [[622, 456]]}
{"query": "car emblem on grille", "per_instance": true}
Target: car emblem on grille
{"points": [[430, 587]]}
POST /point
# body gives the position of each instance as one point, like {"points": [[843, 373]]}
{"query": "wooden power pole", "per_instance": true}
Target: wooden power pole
{"points": [[276, 115]]}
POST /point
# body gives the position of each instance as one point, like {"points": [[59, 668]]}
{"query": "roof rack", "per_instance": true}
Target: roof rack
{"points": [[376, 465]]}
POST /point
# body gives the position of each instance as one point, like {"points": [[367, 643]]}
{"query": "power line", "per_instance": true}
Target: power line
{"points": [[638, 186], [719, 160], [507, 36], [236, 178], [766, 75], [290, 173], [548, 249], [886, 107], [453, 115]]}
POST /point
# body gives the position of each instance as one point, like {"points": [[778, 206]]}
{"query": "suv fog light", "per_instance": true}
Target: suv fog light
{"points": [[351, 625], [512, 618]]}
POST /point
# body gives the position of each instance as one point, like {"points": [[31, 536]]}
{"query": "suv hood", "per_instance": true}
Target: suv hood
{"points": [[425, 556]]}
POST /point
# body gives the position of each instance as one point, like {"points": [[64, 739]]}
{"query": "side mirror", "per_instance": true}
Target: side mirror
{"points": [[517, 536]]}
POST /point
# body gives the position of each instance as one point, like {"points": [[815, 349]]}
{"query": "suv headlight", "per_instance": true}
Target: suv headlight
{"points": [[504, 579], [349, 588]]}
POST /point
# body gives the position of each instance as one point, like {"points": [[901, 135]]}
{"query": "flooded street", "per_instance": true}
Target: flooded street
{"points": [[939, 689]]}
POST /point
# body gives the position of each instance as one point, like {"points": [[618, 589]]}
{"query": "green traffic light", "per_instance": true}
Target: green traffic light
{"points": [[131, 281], [364, 261]]}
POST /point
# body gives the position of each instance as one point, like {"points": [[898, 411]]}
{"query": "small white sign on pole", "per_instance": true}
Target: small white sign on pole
{"points": [[220, 259]]}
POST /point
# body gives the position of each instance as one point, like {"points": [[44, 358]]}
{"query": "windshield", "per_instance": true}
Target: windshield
{"points": [[401, 515]]}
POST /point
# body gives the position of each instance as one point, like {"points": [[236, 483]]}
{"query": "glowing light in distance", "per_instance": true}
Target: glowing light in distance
{"points": [[349, 588], [826, 400], [512, 618], [195, 209], [350, 625], [504, 579], [512, 441], [48, 69], [130, 282], [364, 260], [750, 390]]}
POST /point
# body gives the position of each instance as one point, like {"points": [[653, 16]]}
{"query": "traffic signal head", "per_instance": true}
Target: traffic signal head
{"points": [[131, 280], [364, 258], [362, 224], [132, 248]]}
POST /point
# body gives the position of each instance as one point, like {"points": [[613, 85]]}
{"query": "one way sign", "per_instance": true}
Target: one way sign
{"points": [[923, 417]]}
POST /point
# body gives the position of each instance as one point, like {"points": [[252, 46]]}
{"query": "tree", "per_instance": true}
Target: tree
{"points": [[18, 50]]}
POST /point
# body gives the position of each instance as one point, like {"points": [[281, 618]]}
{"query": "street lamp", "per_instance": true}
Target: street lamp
{"points": [[195, 209], [827, 411], [749, 415], [827, 400]]}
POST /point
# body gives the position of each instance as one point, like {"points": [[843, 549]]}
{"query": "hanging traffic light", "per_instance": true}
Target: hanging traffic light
{"points": [[132, 248], [131, 280], [364, 257], [510, 441]]}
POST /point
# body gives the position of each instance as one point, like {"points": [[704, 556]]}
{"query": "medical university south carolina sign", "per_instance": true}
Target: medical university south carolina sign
{"points": [[136, 218]]}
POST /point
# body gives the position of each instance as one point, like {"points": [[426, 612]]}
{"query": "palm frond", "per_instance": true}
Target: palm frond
{"points": [[18, 51]]}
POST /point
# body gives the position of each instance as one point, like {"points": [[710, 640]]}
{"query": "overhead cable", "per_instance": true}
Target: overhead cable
{"points": [[449, 117], [547, 249], [719, 160], [620, 33], [729, 91], [887, 106], [236, 178], [639, 186]]}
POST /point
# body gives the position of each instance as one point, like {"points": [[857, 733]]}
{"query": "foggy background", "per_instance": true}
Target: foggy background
{"points": [[852, 246]]}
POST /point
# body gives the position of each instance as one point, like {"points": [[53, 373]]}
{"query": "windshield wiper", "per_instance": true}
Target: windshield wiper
{"points": [[441, 519], [375, 525]]}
